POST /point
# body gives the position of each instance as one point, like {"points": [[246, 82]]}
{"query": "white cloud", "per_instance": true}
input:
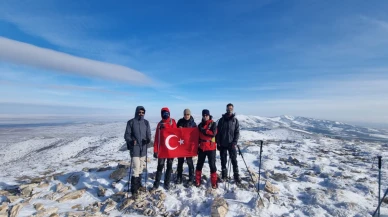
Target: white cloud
{"points": [[27, 54]]}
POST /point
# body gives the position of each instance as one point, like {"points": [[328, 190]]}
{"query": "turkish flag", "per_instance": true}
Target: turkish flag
{"points": [[178, 142]]}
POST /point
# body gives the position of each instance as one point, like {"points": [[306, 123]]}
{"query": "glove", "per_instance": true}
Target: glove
{"points": [[203, 130], [218, 147], [155, 155], [234, 145], [128, 146]]}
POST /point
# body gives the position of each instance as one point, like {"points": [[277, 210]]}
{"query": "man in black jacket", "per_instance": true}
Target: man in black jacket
{"points": [[137, 135], [227, 138], [186, 122]]}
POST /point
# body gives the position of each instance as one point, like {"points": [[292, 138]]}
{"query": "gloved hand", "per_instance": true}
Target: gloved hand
{"points": [[202, 130], [128, 146], [234, 145], [155, 155]]}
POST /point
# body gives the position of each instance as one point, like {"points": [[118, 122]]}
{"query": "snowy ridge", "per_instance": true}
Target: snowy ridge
{"points": [[315, 175]]}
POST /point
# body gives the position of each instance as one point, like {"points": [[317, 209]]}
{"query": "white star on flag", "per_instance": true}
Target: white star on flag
{"points": [[181, 142]]}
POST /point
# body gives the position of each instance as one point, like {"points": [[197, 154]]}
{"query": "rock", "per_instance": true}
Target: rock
{"points": [[15, 210], [271, 188], [260, 204], [54, 215], [110, 205], [60, 188], [12, 198], [119, 196], [44, 185], [38, 206], [385, 200], [101, 191], [280, 177], [162, 196], [27, 189], [160, 205], [126, 204], [149, 212], [85, 169], [72, 196], [49, 211], [4, 208], [219, 207], [255, 176], [73, 179], [118, 174], [124, 164], [78, 207], [104, 169]]}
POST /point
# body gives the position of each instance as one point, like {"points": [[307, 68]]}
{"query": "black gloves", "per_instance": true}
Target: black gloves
{"points": [[155, 155], [202, 130]]}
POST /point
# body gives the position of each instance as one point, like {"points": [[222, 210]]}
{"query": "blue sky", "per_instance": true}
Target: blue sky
{"points": [[321, 59]]}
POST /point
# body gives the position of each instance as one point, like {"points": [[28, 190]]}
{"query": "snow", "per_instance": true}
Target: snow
{"points": [[334, 177]]}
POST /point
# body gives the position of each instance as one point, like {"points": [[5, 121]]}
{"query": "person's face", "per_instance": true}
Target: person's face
{"points": [[229, 109], [141, 113], [187, 116], [206, 117]]}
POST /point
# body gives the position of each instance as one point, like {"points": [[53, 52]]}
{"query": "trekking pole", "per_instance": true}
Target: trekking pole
{"points": [[261, 151], [145, 184], [379, 157], [130, 172], [380, 202], [239, 151], [227, 166]]}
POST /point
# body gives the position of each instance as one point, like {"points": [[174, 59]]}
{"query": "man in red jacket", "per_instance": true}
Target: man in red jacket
{"points": [[166, 122], [207, 148]]}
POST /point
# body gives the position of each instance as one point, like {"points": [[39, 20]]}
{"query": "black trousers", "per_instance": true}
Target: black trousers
{"points": [[224, 158], [167, 176], [211, 157], [189, 161]]}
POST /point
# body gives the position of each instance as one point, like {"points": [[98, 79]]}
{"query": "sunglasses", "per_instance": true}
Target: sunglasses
{"points": [[205, 115], [141, 112], [187, 114]]}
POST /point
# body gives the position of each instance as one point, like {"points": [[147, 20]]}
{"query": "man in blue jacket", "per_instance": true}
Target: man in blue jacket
{"points": [[137, 135]]}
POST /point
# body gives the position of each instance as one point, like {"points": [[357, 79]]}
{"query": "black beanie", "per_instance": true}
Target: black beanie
{"points": [[205, 112]]}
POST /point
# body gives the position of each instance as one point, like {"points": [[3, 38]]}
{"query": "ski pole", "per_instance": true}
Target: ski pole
{"points": [[227, 166], [145, 184], [380, 202], [130, 172], [239, 151], [379, 157], [261, 151]]}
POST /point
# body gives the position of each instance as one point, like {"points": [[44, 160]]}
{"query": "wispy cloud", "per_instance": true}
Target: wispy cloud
{"points": [[27, 54]]}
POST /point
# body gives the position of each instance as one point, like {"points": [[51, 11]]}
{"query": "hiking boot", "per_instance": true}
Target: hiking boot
{"points": [[213, 178], [237, 178], [198, 174], [179, 178], [224, 174]]}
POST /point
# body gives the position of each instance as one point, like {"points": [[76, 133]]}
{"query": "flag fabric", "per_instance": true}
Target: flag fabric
{"points": [[178, 142]]}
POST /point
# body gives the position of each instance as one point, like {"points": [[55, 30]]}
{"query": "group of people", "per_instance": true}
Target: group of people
{"points": [[222, 136]]}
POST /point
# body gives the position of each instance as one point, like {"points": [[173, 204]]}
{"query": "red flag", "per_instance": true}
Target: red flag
{"points": [[178, 142]]}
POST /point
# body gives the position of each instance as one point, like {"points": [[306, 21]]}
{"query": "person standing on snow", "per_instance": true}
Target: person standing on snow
{"points": [[227, 138], [137, 136], [207, 148], [186, 122], [166, 122]]}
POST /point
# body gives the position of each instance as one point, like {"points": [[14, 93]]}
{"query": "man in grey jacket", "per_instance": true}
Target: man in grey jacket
{"points": [[228, 129], [137, 135]]}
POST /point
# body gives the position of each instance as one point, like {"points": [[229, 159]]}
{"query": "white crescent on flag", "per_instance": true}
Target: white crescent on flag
{"points": [[167, 142]]}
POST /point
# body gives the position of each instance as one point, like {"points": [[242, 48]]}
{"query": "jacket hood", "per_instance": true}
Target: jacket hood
{"points": [[137, 111]]}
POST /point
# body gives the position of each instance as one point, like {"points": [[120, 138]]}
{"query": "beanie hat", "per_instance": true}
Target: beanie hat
{"points": [[205, 112], [187, 111]]}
